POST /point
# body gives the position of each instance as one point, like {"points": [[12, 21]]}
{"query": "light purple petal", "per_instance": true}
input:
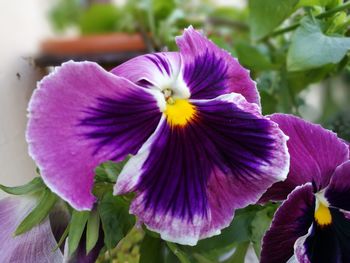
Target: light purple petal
{"points": [[314, 154], [80, 116], [210, 71], [338, 190], [291, 221], [34, 246], [150, 70], [189, 180]]}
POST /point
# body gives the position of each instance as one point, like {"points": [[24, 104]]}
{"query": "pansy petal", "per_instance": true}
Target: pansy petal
{"points": [[338, 190], [210, 71], [189, 180], [80, 116], [151, 69], [35, 246], [314, 155], [291, 221], [326, 243], [300, 254]]}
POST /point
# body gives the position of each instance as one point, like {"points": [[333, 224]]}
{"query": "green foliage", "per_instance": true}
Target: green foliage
{"points": [[326, 3], [247, 227], [239, 254], [151, 250], [266, 15], [39, 213], [76, 229], [162, 9], [109, 171], [181, 255], [339, 122], [252, 57], [115, 217], [66, 13], [92, 230], [99, 18], [34, 185], [260, 223], [311, 48]]}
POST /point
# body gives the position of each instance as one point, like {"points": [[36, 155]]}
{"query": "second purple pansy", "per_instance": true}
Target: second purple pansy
{"points": [[313, 224], [192, 121]]}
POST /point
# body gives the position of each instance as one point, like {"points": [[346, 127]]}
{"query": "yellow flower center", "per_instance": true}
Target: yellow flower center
{"points": [[323, 215], [179, 112]]}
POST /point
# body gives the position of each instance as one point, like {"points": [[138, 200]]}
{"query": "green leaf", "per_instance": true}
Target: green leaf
{"points": [[260, 224], [39, 213], [151, 250], [115, 217], [239, 254], [99, 18], [326, 3], [266, 15], [34, 185], [251, 57], [238, 231], [109, 171], [311, 48], [76, 229], [201, 259], [162, 9], [92, 230], [268, 102], [181, 255], [65, 13], [299, 80]]}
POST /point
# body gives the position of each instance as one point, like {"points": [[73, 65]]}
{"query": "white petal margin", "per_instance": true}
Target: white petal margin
{"points": [[299, 248], [34, 246], [129, 176], [253, 108]]}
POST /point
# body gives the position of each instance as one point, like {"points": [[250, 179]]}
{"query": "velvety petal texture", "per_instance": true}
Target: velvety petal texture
{"points": [[291, 221], [326, 243], [338, 191], [314, 151], [210, 71], [189, 180], [34, 246], [80, 116]]}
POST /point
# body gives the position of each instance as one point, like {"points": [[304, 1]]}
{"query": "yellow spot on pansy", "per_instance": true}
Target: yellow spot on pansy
{"points": [[179, 112], [323, 215]]}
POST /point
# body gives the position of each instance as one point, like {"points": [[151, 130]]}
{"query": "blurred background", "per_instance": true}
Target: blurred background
{"points": [[39, 34]]}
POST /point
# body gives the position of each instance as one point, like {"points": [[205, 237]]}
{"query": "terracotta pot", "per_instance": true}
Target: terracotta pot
{"points": [[108, 50], [114, 42]]}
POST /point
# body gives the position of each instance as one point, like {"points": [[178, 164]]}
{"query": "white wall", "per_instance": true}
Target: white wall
{"points": [[22, 26]]}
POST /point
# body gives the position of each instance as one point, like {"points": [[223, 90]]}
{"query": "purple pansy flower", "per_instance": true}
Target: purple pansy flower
{"points": [[192, 121], [313, 224]]}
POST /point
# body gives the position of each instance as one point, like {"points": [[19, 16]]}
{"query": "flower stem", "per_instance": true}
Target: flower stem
{"points": [[295, 25]]}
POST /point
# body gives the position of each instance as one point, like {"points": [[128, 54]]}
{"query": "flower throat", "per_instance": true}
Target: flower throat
{"points": [[178, 112]]}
